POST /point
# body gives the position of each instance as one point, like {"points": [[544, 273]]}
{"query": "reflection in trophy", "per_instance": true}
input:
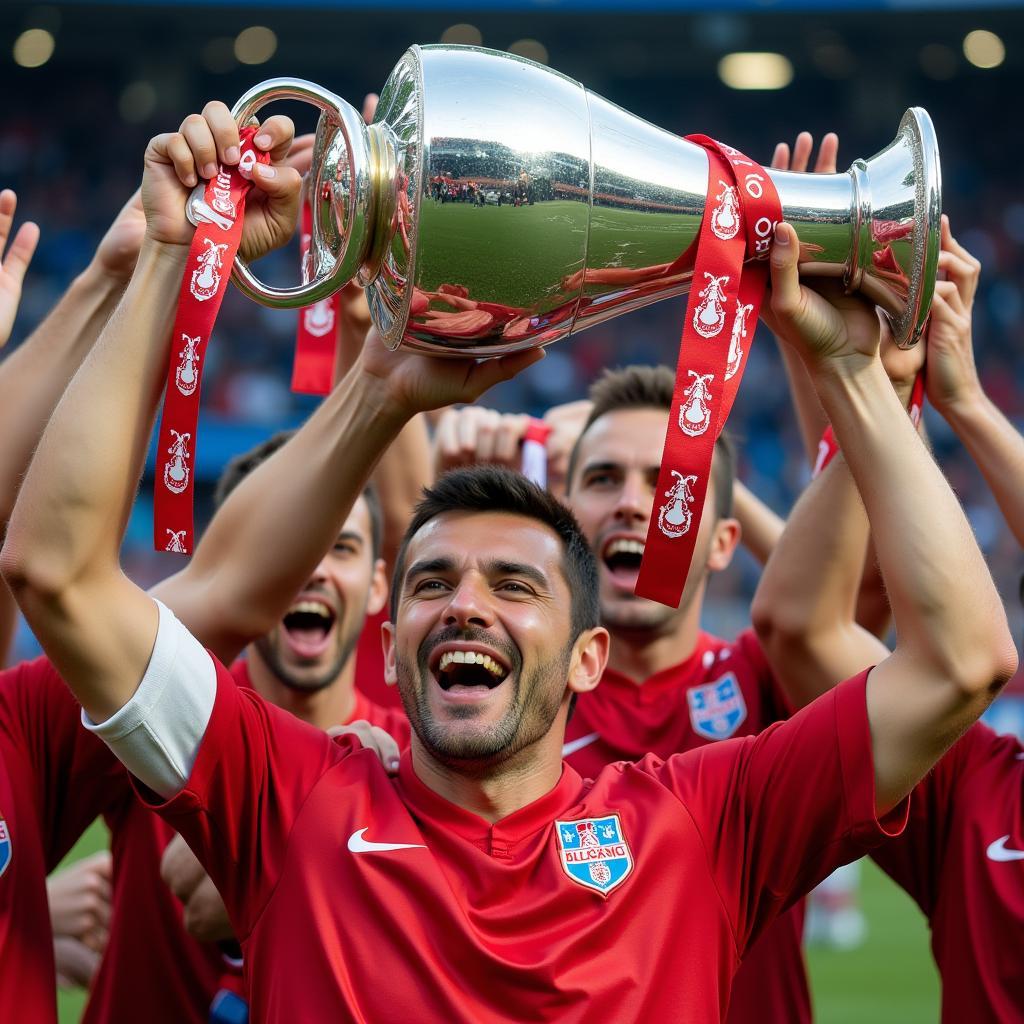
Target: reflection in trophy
{"points": [[495, 205]]}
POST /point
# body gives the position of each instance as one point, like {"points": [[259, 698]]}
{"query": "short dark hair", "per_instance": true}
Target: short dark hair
{"points": [[242, 465], [653, 387], [494, 489]]}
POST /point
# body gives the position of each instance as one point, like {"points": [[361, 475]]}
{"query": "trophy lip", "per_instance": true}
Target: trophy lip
{"points": [[918, 125]]}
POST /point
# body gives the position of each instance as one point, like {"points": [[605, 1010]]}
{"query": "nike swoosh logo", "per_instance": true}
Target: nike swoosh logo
{"points": [[357, 844], [573, 745], [997, 851]]}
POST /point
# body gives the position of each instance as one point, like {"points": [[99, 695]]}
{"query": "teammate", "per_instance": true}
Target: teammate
{"points": [[488, 882], [960, 855], [670, 686]]}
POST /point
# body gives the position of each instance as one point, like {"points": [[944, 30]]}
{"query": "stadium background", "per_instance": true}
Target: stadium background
{"points": [[85, 85]]}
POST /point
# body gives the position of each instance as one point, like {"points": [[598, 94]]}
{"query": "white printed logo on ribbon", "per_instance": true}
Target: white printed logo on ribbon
{"points": [[695, 412], [709, 316], [676, 516], [222, 201], [725, 219], [318, 319], [205, 278], [186, 376], [739, 333], [176, 541], [176, 468]]}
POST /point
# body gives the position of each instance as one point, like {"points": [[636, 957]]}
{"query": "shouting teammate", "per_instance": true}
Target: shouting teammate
{"points": [[488, 882]]}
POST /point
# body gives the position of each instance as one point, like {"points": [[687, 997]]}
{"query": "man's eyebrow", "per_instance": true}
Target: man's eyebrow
{"points": [[349, 535], [501, 567], [605, 464], [429, 565]]}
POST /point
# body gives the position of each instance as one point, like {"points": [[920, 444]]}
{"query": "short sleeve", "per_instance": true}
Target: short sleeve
{"points": [[76, 778], [254, 769], [779, 811], [916, 860]]}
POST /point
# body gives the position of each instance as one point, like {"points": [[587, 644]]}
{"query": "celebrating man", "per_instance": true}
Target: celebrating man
{"points": [[488, 882]]}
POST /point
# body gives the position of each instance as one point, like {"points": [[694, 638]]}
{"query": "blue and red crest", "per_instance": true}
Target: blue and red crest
{"points": [[594, 852], [5, 844], [717, 709]]}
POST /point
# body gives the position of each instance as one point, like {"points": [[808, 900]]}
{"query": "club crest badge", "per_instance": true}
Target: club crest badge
{"points": [[717, 709], [6, 849], [594, 852]]}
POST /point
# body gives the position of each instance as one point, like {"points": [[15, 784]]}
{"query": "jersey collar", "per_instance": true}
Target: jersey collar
{"points": [[424, 803]]}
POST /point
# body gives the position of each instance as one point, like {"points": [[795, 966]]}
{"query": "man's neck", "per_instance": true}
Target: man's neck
{"points": [[638, 654], [494, 795], [328, 706]]}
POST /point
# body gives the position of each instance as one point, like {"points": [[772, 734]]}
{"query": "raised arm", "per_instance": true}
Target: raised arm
{"points": [[805, 610], [955, 390], [34, 376], [954, 650], [61, 557]]}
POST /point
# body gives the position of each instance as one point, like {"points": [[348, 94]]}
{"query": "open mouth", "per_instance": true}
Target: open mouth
{"points": [[460, 670], [308, 625], [622, 557]]}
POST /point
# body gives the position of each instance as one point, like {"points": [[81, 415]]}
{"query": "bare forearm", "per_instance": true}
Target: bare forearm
{"points": [[804, 606], [76, 497], [998, 450], [810, 417], [924, 543], [761, 527], [275, 527], [402, 473], [34, 376]]}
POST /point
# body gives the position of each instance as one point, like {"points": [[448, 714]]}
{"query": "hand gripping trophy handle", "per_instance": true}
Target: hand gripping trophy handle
{"points": [[340, 187], [496, 205]]}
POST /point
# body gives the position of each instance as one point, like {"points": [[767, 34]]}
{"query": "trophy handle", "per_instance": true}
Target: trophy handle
{"points": [[340, 194]]}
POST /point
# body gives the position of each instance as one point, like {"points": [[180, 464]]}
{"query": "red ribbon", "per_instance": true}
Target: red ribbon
{"points": [[207, 272], [828, 446], [741, 212], [316, 338], [534, 464]]}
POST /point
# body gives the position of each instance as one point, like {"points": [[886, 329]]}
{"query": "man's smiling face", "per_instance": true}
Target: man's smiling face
{"points": [[481, 645]]}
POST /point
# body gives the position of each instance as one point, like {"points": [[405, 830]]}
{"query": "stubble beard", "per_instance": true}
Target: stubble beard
{"points": [[267, 647], [533, 707]]}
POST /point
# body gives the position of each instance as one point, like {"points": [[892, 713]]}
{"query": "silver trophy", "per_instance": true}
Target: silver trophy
{"points": [[495, 204]]}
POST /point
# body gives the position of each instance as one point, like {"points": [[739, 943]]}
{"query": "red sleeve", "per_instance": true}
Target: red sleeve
{"points": [[254, 770], [779, 811], [915, 861], [75, 776]]}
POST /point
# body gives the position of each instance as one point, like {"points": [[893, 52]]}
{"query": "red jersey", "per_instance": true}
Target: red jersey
{"points": [[722, 690], [55, 779], [153, 970], [962, 859], [361, 897]]}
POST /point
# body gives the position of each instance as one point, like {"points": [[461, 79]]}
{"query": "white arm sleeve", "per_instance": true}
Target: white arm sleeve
{"points": [[157, 734]]}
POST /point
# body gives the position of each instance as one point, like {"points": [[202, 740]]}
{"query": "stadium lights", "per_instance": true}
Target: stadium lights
{"points": [[33, 48], [462, 35], [255, 45], [984, 49], [755, 70], [531, 49]]}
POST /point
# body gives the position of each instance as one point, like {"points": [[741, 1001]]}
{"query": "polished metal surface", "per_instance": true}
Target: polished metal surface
{"points": [[495, 204]]}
